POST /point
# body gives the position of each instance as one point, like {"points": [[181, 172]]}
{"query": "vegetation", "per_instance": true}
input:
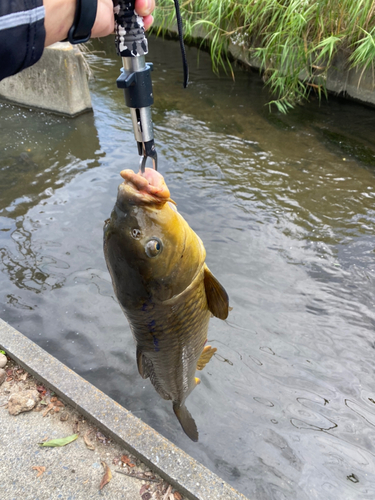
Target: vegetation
{"points": [[295, 41]]}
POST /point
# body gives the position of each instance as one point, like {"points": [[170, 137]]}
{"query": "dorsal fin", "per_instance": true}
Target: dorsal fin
{"points": [[217, 297]]}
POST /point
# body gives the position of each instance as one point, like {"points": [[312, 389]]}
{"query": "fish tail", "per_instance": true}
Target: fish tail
{"points": [[186, 420]]}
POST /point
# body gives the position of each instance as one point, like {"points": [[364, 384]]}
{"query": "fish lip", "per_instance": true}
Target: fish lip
{"points": [[148, 188], [129, 194]]}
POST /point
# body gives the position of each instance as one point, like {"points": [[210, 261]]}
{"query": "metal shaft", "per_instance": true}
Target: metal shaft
{"points": [[141, 117]]}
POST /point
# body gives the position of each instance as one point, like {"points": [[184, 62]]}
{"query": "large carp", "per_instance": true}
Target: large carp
{"points": [[159, 275]]}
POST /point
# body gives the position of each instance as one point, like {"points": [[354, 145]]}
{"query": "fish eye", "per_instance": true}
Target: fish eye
{"points": [[153, 247]]}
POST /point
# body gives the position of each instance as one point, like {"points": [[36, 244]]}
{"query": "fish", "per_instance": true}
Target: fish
{"points": [[164, 287]]}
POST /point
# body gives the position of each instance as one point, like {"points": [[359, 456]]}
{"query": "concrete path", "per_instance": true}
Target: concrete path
{"points": [[74, 471]]}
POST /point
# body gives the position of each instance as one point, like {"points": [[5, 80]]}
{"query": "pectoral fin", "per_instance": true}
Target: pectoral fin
{"points": [[186, 420], [217, 297], [205, 357]]}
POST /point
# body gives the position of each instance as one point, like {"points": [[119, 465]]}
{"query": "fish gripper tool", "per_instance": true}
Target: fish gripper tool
{"points": [[135, 78]]}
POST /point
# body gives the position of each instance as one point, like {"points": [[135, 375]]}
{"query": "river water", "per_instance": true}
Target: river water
{"points": [[285, 207]]}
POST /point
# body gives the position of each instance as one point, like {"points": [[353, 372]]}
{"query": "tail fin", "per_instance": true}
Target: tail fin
{"points": [[186, 420]]}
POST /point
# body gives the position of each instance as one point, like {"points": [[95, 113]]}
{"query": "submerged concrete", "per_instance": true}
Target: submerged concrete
{"points": [[187, 475], [58, 82]]}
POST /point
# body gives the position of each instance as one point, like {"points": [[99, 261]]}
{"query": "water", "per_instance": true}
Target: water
{"points": [[285, 207]]}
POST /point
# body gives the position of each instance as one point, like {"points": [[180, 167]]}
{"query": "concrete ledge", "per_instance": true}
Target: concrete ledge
{"points": [[170, 462], [57, 82]]}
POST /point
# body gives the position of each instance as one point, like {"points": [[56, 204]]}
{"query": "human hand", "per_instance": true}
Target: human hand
{"points": [[59, 17], [104, 22]]}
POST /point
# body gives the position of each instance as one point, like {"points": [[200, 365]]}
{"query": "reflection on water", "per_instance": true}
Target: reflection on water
{"points": [[285, 207]]}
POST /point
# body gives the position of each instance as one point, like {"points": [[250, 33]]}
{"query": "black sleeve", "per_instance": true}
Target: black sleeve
{"points": [[22, 35]]}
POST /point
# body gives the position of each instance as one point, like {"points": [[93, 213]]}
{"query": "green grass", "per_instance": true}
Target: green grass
{"points": [[295, 41]]}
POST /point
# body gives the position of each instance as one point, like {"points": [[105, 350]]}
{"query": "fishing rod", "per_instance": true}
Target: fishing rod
{"points": [[135, 78]]}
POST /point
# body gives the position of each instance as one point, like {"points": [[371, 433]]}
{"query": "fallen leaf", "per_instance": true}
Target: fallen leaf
{"points": [[177, 496], [40, 388], [40, 470], [126, 460], [76, 427], [100, 436], [88, 443], [49, 408], [107, 476], [59, 403], [56, 409], [9, 379], [167, 494], [53, 399], [24, 376], [64, 417], [61, 441], [144, 488]]}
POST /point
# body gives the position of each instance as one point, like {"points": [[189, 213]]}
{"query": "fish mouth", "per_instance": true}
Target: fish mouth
{"points": [[148, 188]]}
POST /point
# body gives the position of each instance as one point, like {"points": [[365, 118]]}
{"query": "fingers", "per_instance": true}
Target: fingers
{"points": [[104, 23], [144, 7], [147, 21]]}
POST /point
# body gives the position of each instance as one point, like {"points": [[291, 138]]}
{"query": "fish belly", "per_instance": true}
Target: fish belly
{"points": [[170, 338]]}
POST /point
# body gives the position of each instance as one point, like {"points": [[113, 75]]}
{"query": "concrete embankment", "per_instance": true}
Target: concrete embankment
{"points": [[58, 82], [356, 84], [352, 83], [189, 477]]}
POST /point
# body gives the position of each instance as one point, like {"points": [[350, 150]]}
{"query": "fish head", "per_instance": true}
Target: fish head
{"points": [[150, 250]]}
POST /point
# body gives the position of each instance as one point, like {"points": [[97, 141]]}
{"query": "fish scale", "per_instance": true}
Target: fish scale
{"points": [[180, 322]]}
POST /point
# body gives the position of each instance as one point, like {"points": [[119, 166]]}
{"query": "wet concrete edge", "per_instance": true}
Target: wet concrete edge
{"points": [[187, 475]]}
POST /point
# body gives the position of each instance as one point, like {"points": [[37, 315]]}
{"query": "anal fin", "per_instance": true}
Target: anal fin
{"points": [[186, 420], [142, 366], [205, 357]]}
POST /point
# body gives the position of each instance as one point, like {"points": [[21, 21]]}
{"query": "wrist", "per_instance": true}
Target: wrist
{"points": [[59, 17]]}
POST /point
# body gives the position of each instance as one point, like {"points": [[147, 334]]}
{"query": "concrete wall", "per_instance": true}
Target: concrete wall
{"points": [[350, 83], [58, 82]]}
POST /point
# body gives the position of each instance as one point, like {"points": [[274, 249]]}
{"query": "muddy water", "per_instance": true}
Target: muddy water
{"points": [[285, 207]]}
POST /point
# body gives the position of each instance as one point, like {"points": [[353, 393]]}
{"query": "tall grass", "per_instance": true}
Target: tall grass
{"points": [[295, 41]]}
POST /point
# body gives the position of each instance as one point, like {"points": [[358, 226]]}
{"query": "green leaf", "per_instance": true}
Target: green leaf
{"points": [[3, 352], [60, 442]]}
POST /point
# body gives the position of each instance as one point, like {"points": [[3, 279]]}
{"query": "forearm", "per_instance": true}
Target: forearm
{"points": [[21, 35]]}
